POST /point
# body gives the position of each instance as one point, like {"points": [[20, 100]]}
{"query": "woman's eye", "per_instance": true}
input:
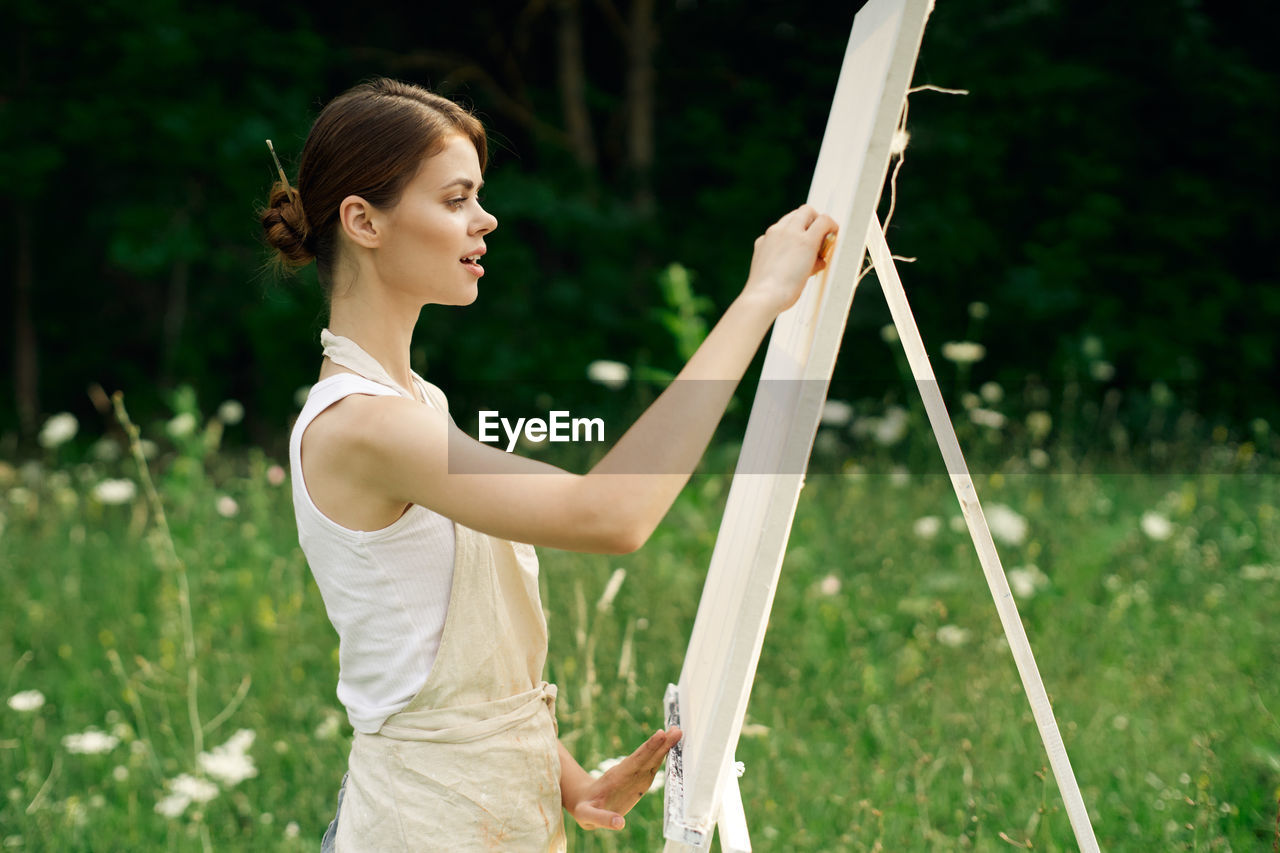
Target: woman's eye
{"points": [[457, 202]]}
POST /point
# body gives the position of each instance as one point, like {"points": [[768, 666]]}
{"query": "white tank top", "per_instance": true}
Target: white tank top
{"points": [[386, 591]]}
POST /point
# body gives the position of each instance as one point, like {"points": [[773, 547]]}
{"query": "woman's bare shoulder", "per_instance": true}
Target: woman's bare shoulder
{"points": [[351, 449]]}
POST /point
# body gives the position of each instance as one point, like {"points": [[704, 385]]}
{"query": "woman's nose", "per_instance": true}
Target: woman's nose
{"points": [[486, 222]]}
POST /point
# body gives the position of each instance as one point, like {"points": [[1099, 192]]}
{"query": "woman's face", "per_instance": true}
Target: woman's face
{"points": [[431, 241]]}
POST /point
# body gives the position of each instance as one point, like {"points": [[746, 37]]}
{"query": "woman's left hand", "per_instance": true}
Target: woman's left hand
{"points": [[602, 803]]}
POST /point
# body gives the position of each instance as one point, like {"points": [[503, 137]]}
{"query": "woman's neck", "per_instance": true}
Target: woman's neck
{"points": [[382, 329]]}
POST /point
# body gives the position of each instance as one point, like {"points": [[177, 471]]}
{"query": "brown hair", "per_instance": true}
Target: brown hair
{"points": [[368, 141]]}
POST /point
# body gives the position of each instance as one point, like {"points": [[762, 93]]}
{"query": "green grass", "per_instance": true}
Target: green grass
{"points": [[865, 730]]}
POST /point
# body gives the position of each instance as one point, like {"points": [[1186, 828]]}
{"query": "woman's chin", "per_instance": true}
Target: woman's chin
{"points": [[459, 298]]}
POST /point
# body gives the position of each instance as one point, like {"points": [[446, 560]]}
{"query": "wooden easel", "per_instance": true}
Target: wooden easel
{"points": [[710, 702]]}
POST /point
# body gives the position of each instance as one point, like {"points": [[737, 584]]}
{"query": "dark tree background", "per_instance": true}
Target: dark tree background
{"points": [[1110, 178]]}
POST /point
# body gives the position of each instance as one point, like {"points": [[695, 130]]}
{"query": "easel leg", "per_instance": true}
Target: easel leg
{"points": [[732, 825]]}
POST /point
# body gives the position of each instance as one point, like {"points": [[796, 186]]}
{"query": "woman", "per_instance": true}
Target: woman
{"points": [[419, 537]]}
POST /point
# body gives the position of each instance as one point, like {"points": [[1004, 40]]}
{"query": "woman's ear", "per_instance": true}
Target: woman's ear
{"points": [[358, 220]]}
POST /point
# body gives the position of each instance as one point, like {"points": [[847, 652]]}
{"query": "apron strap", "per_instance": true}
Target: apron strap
{"points": [[349, 354]]}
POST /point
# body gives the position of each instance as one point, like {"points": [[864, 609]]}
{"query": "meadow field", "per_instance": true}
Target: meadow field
{"points": [[169, 670]]}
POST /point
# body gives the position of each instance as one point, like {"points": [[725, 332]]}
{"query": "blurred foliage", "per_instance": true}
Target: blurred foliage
{"points": [[1109, 177]]}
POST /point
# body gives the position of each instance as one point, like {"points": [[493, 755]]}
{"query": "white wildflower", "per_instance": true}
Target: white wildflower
{"points": [[1102, 371], [891, 428], [1038, 458], [1038, 424], [611, 374], [227, 506], [836, 413], [105, 449], [90, 742], [952, 635], [958, 524], [58, 430], [275, 475], [231, 412], [183, 791], [1026, 581], [1119, 722], [1156, 526], [328, 728], [194, 788], [1091, 346], [611, 590], [963, 352], [889, 333], [181, 425], [115, 492], [1006, 525], [230, 763], [830, 585], [26, 701], [149, 448], [173, 806], [979, 310], [991, 392], [970, 400], [899, 476], [292, 830], [927, 527], [120, 773], [987, 417]]}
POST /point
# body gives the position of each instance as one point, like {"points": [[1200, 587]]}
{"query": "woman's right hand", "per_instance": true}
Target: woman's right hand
{"points": [[786, 255]]}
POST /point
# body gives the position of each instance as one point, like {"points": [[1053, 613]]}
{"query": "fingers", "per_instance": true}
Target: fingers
{"points": [[807, 219], [653, 751], [800, 219]]}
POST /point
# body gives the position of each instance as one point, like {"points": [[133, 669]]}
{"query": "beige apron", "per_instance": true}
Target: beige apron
{"points": [[472, 762]]}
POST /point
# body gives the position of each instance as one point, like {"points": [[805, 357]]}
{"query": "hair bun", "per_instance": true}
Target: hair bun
{"points": [[285, 226]]}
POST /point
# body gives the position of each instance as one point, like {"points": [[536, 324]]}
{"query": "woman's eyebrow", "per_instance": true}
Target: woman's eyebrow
{"points": [[465, 183]]}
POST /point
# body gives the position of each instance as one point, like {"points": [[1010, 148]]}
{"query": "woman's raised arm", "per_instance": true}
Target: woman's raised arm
{"points": [[409, 453]]}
